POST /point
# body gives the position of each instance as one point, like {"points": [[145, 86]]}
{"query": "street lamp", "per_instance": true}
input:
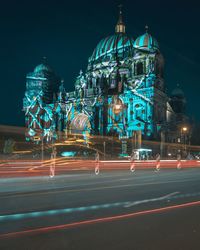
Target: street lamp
{"points": [[42, 148], [104, 149], [184, 129], [183, 132]]}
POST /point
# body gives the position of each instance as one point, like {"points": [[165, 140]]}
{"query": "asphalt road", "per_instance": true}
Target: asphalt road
{"points": [[112, 210]]}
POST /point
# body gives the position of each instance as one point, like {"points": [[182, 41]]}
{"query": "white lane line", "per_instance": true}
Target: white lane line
{"points": [[131, 204], [82, 209], [168, 195]]}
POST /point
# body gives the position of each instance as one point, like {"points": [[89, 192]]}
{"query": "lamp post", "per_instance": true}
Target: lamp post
{"points": [[184, 130], [118, 107], [104, 149], [42, 149]]}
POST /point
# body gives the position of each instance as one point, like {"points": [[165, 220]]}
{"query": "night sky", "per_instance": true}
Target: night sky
{"points": [[67, 33]]}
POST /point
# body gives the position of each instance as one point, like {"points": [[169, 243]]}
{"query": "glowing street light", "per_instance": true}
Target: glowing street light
{"points": [[184, 129]]}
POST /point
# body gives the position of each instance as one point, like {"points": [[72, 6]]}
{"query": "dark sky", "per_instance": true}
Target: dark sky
{"points": [[66, 32]]}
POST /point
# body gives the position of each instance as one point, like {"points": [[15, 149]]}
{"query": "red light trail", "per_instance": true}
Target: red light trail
{"points": [[24, 168], [99, 220]]}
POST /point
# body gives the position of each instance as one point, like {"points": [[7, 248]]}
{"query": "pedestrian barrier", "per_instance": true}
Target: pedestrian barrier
{"points": [[132, 168]]}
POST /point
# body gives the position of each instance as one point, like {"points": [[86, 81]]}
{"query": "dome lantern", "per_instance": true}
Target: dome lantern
{"points": [[120, 27]]}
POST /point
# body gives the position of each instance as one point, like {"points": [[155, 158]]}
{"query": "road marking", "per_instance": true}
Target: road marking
{"points": [[169, 195], [125, 204], [131, 204], [98, 220]]}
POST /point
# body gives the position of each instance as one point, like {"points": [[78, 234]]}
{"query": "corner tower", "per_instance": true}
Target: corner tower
{"points": [[40, 102]]}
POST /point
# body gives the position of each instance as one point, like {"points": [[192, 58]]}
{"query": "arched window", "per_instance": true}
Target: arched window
{"points": [[139, 112], [90, 84], [93, 82], [139, 68]]}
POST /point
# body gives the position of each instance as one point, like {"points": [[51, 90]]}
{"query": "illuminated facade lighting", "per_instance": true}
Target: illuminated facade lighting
{"points": [[121, 93]]}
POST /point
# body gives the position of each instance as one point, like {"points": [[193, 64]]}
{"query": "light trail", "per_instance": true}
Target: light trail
{"points": [[63, 165], [168, 196], [98, 220], [125, 204]]}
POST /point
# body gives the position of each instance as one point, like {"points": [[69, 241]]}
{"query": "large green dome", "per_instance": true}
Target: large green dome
{"points": [[116, 44]]}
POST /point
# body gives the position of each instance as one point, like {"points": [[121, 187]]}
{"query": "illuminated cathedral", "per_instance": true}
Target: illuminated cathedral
{"points": [[122, 93]]}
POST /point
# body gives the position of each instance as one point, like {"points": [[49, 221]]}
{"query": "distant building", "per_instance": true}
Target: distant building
{"points": [[122, 93]]}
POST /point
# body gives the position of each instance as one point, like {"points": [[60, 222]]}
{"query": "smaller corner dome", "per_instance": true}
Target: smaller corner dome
{"points": [[42, 68], [178, 92], [146, 42]]}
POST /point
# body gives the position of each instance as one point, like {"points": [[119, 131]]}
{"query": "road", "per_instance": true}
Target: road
{"points": [[112, 210]]}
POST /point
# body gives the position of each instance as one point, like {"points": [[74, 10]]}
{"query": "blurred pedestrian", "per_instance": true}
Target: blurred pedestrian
{"points": [[53, 162]]}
